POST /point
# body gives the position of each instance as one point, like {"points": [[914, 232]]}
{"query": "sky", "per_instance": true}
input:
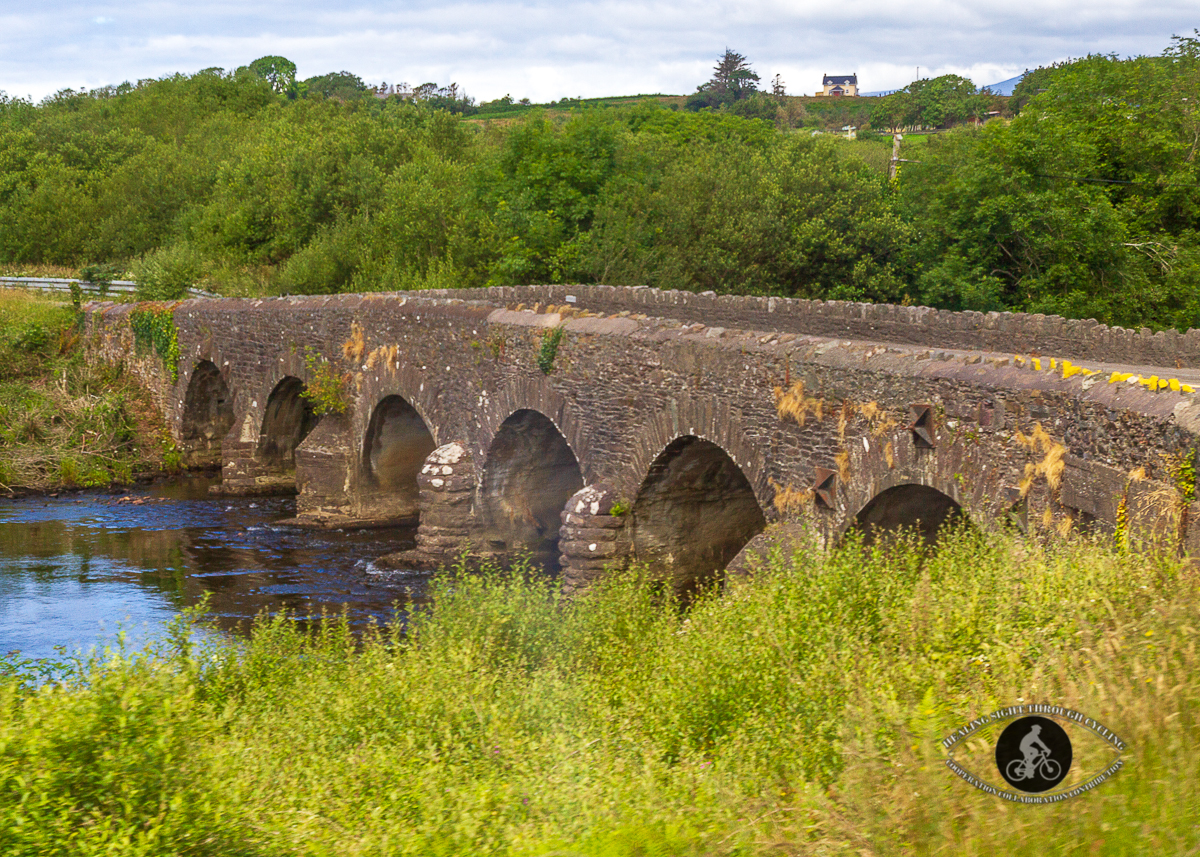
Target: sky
{"points": [[545, 50]]}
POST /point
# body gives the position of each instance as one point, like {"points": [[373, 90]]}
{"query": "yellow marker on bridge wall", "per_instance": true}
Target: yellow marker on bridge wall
{"points": [[1070, 370]]}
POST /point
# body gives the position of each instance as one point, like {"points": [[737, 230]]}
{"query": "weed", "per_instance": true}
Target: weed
{"points": [[879, 419], [1182, 468], [63, 419], [842, 460], [496, 344], [548, 349], [794, 404], [154, 330], [1050, 467], [326, 388], [802, 714], [355, 347], [788, 500]]}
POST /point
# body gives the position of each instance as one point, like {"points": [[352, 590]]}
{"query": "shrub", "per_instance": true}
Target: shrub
{"points": [[167, 273], [326, 389], [100, 275], [549, 349]]}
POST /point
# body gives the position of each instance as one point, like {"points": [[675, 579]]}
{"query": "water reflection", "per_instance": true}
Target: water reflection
{"points": [[73, 567]]}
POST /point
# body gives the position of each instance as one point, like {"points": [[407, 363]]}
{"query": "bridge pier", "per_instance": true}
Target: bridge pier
{"points": [[245, 473], [593, 537], [447, 485], [323, 465]]}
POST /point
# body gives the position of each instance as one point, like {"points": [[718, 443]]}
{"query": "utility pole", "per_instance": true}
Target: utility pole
{"points": [[896, 138]]}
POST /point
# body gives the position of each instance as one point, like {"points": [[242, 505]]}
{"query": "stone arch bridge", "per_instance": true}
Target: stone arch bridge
{"points": [[593, 425]]}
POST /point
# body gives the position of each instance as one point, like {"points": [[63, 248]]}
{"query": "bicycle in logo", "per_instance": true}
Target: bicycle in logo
{"points": [[1039, 766]]}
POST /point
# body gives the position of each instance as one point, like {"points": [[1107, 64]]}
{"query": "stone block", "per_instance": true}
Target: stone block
{"points": [[1093, 488], [598, 549]]}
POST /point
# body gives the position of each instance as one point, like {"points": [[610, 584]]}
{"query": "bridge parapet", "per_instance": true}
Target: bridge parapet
{"points": [[1003, 332]]}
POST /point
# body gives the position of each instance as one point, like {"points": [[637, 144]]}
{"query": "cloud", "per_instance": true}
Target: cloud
{"points": [[547, 50]]}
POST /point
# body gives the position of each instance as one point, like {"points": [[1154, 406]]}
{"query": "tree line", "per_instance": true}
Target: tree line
{"points": [[1085, 204]]}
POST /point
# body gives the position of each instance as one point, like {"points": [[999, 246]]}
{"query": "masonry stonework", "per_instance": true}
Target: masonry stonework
{"points": [[812, 403]]}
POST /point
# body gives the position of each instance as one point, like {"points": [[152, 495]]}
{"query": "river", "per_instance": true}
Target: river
{"points": [[77, 568]]}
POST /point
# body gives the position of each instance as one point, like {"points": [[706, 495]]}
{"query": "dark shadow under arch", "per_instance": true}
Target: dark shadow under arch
{"points": [[912, 507], [529, 475], [395, 447], [207, 415], [287, 420], [694, 511]]}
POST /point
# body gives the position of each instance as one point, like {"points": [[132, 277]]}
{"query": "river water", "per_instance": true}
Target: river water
{"points": [[78, 568]]}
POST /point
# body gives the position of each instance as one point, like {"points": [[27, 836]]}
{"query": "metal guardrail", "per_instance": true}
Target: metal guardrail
{"points": [[53, 284]]}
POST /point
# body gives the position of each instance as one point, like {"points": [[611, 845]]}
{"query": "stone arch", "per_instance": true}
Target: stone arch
{"points": [[421, 390], [495, 407], [288, 418], [529, 473], [693, 512], [207, 414], [907, 507], [395, 446], [706, 419], [907, 482]]}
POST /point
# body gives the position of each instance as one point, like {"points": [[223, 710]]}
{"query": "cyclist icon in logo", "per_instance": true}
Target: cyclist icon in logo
{"points": [[1037, 761], [1033, 754]]}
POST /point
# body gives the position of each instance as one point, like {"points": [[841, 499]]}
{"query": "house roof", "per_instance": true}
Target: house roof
{"points": [[842, 79]]}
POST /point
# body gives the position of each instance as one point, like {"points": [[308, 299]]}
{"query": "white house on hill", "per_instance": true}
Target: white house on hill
{"points": [[839, 85]]}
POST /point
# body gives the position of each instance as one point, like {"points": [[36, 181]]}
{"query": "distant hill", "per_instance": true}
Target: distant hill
{"points": [[1006, 87]]}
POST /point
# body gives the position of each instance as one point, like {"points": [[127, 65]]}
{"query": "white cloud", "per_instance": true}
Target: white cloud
{"points": [[547, 50]]}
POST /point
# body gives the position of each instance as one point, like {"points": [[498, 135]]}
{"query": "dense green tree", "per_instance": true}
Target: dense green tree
{"points": [[280, 72], [733, 75], [341, 85], [945, 100], [1085, 205], [732, 81], [893, 111], [758, 106]]}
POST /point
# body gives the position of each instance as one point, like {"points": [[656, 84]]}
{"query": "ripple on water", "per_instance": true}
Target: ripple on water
{"points": [[73, 568]]}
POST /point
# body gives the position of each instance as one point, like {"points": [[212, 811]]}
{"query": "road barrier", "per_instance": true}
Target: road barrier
{"points": [[52, 284]]}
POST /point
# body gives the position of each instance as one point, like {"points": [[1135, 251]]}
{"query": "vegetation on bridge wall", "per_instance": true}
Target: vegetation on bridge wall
{"points": [[154, 330]]}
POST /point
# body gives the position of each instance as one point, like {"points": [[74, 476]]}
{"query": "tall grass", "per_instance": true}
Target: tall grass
{"points": [[799, 713], [66, 421]]}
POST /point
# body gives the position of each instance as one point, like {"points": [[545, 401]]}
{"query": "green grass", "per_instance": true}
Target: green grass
{"points": [[65, 421], [800, 714]]}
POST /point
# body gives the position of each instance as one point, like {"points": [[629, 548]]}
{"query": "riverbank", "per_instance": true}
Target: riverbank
{"points": [[801, 714], [67, 422]]}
